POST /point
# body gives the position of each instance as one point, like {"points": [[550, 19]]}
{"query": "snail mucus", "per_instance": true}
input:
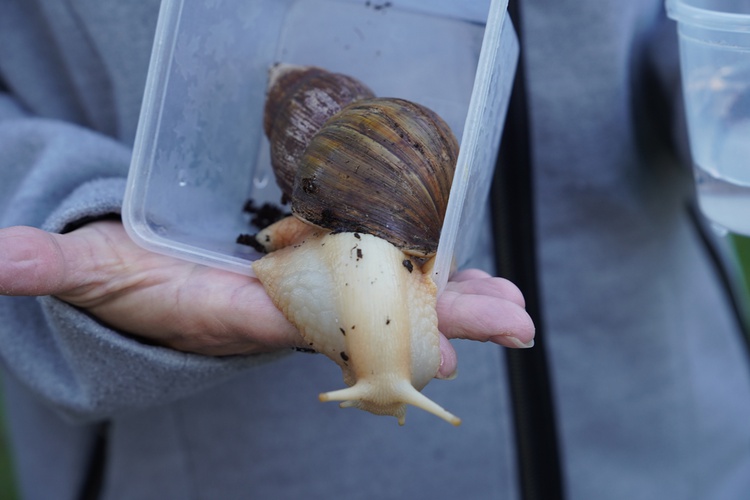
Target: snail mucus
{"points": [[368, 179]]}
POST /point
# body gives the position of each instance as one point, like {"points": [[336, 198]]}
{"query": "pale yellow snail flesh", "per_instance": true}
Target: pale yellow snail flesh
{"points": [[354, 295]]}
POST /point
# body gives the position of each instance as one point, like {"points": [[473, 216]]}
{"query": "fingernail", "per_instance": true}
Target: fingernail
{"points": [[447, 377], [520, 345], [441, 369]]}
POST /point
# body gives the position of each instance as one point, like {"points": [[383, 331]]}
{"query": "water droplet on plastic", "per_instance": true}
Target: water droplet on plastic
{"points": [[261, 181]]}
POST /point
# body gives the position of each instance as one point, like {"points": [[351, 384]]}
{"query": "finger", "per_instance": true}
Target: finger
{"points": [[35, 262], [31, 262], [484, 284], [469, 274], [484, 318], [448, 359], [212, 307]]}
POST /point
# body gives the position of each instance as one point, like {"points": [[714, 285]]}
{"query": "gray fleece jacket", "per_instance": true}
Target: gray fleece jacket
{"points": [[649, 374]]}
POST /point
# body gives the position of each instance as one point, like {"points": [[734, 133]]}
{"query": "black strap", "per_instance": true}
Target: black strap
{"points": [[93, 483], [515, 249]]}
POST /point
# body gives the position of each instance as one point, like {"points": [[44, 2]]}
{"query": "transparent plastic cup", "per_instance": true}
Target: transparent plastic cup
{"points": [[200, 152], [714, 38]]}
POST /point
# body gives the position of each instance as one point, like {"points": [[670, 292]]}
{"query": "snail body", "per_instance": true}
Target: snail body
{"points": [[353, 299], [348, 267]]}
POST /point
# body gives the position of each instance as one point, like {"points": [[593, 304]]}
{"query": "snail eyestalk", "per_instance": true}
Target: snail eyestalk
{"points": [[360, 395]]}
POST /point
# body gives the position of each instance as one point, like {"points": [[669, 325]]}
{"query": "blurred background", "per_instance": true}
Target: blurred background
{"points": [[734, 251], [740, 245]]}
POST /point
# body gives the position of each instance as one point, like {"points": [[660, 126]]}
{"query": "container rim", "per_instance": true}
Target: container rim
{"points": [[683, 13]]}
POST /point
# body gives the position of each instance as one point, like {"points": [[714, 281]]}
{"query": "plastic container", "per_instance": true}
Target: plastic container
{"points": [[714, 37], [200, 152]]}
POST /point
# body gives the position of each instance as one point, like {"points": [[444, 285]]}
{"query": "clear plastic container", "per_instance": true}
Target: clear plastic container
{"points": [[714, 38], [200, 152]]}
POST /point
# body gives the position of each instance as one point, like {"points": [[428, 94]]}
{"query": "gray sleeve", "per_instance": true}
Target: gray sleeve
{"points": [[53, 174]]}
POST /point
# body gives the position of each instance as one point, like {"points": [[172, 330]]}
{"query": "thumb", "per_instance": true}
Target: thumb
{"points": [[448, 359], [32, 262]]}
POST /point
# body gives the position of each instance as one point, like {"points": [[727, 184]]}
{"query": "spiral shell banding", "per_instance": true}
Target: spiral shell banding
{"points": [[397, 155], [370, 192], [299, 101]]}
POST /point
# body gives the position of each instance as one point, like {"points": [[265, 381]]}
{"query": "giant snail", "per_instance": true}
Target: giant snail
{"points": [[369, 180]]}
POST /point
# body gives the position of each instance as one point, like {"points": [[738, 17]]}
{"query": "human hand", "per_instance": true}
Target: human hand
{"points": [[194, 308]]}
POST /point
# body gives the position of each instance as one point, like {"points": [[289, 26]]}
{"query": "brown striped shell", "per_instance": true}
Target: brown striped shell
{"points": [[380, 166], [300, 100]]}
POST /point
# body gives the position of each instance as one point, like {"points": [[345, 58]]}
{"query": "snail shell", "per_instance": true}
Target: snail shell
{"points": [[370, 190], [391, 180], [300, 100]]}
